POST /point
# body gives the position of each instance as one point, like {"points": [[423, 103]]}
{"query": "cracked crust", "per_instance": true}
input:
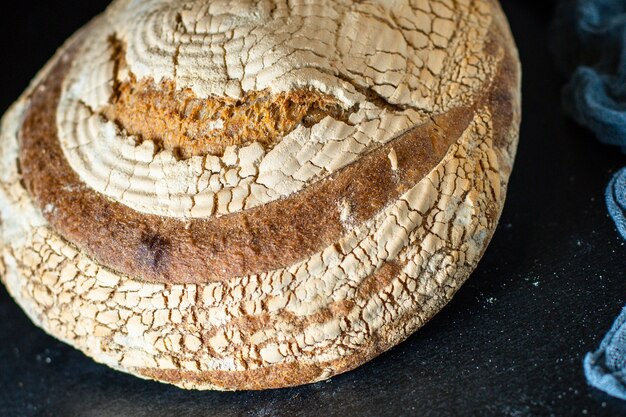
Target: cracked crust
{"points": [[288, 287]]}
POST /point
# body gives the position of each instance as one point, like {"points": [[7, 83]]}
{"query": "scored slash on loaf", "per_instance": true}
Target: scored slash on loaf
{"points": [[257, 194]]}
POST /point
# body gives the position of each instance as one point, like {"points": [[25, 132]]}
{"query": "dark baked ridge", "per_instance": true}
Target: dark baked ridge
{"points": [[159, 249]]}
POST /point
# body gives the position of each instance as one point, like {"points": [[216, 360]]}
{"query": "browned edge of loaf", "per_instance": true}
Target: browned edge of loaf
{"points": [[502, 98], [276, 235], [297, 373]]}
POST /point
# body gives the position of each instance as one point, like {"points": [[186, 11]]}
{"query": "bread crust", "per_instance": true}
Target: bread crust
{"points": [[153, 305]]}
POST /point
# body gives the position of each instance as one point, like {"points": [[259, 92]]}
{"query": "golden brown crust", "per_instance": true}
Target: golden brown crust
{"points": [[279, 376], [188, 126]]}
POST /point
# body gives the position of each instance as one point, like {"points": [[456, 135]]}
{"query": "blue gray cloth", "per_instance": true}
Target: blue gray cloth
{"points": [[590, 47], [605, 368], [616, 200], [589, 42]]}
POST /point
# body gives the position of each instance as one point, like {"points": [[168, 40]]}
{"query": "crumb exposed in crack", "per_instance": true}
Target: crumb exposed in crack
{"points": [[179, 121]]}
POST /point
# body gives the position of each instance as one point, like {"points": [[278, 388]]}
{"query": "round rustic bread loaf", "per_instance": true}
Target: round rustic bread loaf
{"points": [[257, 194]]}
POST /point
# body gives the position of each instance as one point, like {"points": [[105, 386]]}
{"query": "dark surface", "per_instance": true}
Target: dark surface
{"points": [[510, 343]]}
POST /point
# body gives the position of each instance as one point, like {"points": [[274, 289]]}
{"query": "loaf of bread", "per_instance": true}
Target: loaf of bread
{"points": [[256, 194]]}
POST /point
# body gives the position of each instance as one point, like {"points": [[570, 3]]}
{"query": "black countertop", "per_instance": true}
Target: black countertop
{"points": [[510, 343]]}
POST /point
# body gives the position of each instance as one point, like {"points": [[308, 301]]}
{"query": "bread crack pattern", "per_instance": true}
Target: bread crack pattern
{"points": [[256, 194], [313, 81]]}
